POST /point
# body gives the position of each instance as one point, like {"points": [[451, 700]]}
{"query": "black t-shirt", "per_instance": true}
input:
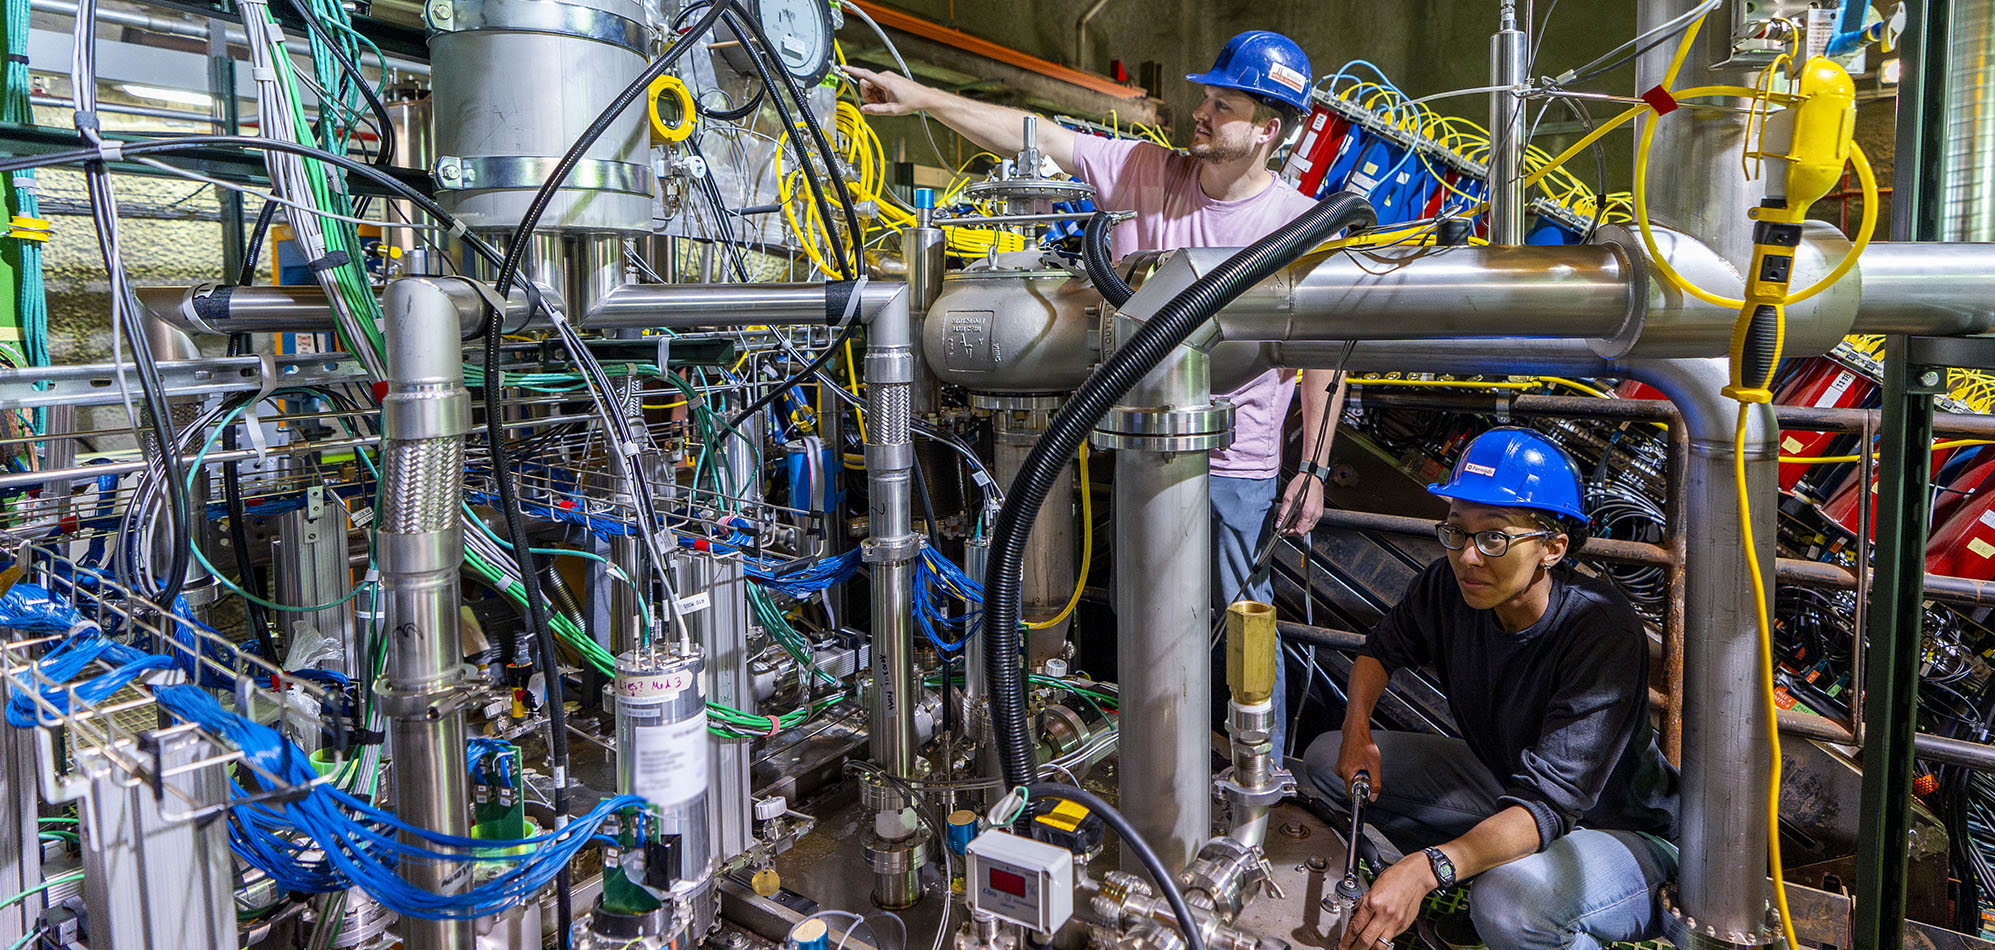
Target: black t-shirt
{"points": [[1559, 712]]}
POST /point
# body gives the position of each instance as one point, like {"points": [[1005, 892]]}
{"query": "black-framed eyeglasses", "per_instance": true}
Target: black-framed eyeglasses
{"points": [[1492, 543]]}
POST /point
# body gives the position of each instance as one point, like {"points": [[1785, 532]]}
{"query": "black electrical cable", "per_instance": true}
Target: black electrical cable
{"points": [[1168, 327], [1135, 845], [851, 258], [816, 363], [254, 249], [384, 150], [1100, 262], [731, 115], [259, 625]]}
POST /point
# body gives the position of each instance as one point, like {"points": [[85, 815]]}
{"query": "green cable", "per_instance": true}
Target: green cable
{"points": [[45, 885]]}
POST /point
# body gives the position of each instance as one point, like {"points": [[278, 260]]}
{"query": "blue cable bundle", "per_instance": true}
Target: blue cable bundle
{"points": [[324, 839], [934, 570], [802, 582]]}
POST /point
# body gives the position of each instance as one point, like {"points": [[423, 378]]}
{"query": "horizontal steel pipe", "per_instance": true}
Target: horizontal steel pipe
{"points": [[1973, 755], [214, 310], [1429, 292], [1931, 289], [1385, 395]]}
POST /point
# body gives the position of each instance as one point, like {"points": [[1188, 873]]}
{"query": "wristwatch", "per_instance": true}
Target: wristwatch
{"points": [[1444, 869], [1316, 470]]}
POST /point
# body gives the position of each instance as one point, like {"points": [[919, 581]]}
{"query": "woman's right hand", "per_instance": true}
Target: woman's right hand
{"points": [[1359, 754]]}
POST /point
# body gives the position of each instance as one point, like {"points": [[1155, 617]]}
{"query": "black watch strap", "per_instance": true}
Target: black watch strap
{"points": [[1317, 471], [1444, 869]]}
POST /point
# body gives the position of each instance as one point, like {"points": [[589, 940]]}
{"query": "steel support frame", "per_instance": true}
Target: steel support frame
{"points": [[1891, 655]]}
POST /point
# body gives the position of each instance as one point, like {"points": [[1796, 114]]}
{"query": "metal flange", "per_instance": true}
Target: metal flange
{"points": [[1166, 430], [1687, 933]]}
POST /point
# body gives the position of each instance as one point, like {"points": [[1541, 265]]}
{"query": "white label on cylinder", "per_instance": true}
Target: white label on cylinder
{"points": [[670, 761], [654, 685]]}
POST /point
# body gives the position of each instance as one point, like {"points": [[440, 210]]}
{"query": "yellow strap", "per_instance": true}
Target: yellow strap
{"points": [[30, 229], [1066, 816]]}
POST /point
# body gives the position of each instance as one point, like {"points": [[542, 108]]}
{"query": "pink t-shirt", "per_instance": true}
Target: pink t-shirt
{"points": [[1172, 211]]}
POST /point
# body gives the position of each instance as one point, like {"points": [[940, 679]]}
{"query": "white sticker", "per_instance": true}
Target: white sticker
{"points": [[696, 603], [669, 763], [1474, 469], [655, 685], [1836, 389], [1287, 77], [1988, 517]]}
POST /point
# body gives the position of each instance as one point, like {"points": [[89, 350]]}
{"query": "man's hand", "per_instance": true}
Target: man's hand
{"points": [[1391, 905], [889, 93], [1359, 753], [1301, 507]]}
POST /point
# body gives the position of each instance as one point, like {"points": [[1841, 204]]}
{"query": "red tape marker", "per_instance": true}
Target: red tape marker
{"points": [[380, 390], [1660, 100]]}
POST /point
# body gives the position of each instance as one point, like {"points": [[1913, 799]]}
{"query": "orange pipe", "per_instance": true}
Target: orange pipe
{"points": [[909, 23]]}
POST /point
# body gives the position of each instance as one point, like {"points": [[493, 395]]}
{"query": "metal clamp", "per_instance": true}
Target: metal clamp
{"points": [[433, 702], [1166, 430], [497, 172], [887, 550], [1281, 784], [538, 16]]}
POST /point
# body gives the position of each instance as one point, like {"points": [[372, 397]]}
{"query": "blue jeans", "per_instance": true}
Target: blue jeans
{"points": [[1587, 889], [1243, 512]]}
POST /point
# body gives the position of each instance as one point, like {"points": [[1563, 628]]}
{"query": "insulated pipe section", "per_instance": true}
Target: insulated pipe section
{"points": [[892, 544], [424, 419]]}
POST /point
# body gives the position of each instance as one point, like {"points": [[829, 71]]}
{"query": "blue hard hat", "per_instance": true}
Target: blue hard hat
{"points": [[1262, 63], [1510, 467]]}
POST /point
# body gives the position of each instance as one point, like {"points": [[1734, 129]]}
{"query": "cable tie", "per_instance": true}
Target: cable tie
{"points": [[21, 58], [263, 74], [775, 725], [112, 151], [25, 181], [458, 228], [85, 120], [1660, 100]]}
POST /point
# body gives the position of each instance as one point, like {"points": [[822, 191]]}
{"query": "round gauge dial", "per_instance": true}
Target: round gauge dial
{"points": [[799, 31]]}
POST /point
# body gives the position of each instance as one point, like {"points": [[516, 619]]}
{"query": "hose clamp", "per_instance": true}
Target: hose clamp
{"points": [[538, 16], [890, 550], [410, 415], [428, 703], [1173, 430], [528, 172]]}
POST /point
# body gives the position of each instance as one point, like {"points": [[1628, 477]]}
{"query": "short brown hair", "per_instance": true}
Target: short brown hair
{"points": [[1265, 109]]}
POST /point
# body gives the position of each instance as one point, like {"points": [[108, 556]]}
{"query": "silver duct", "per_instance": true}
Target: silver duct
{"points": [[1967, 165], [421, 546]]}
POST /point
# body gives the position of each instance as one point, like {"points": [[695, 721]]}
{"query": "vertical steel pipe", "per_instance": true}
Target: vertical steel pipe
{"points": [[1509, 59], [421, 546], [891, 545], [1163, 610]]}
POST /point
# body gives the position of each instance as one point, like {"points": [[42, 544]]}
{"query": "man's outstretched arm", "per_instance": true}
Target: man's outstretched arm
{"points": [[998, 128]]}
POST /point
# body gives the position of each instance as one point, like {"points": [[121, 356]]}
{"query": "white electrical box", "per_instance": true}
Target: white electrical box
{"points": [[1029, 883]]}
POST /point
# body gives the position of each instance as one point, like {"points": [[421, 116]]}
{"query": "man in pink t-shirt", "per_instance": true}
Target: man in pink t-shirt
{"points": [[1217, 193]]}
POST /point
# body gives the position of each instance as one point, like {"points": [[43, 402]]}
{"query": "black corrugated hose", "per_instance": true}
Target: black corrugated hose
{"points": [[1100, 262], [1171, 324]]}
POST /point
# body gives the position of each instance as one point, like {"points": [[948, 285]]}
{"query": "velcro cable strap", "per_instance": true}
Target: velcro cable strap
{"points": [[267, 366], [331, 260], [1660, 100], [841, 301]]}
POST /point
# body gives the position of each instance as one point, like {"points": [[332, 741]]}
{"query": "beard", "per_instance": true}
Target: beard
{"points": [[1218, 153]]}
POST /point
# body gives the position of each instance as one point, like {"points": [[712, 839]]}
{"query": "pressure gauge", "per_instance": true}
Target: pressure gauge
{"points": [[800, 32]]}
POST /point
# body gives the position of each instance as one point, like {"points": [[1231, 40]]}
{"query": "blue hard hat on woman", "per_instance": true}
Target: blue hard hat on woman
{"points": [[1261, 63], [1511, 467]]}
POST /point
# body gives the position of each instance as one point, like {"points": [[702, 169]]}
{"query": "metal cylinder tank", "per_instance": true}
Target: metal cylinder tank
{"points": [[530, 75], [662, 755]]}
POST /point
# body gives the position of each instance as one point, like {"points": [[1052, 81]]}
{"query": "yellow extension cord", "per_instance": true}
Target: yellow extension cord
{"points": [[1087, 547]]}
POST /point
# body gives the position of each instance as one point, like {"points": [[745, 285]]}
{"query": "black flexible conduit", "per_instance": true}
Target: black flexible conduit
{"points": [[1100, 262], [1172, 323]]}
